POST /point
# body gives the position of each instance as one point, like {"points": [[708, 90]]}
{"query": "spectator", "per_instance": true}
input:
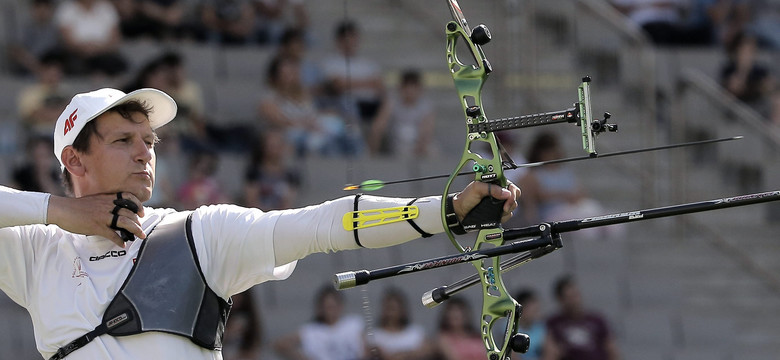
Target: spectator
{"points": [[39, 37], [91, 36], [274, 16], [292, 44], [397, 338], [575, 333], [745, 77], [330, 336], [531, 324], [719, 20], [40, 172], [355, 77], [167, 72], [41, 103], [229, 22], [290, 107], [406, 127], [551, 192], [157, 19], [271, 184], [243, 332], [201, 188], [663, 21], [765, 23], [191, 126], [457, 339]]}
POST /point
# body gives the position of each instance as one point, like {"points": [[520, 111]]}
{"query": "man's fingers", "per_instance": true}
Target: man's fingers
{"points": [[131, 197], [130, 225]]}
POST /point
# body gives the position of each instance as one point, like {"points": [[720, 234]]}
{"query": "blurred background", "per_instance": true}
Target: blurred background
{"points": [[284, 102]]}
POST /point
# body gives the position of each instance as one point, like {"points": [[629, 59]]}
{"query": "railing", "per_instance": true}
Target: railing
{"points": [[760, 149]]}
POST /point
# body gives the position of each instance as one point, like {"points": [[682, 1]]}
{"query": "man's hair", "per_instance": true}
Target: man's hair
{"points": [[411, 77], [324, 292], [81, 143], [561, 284], [525, 295], [345, 28]]}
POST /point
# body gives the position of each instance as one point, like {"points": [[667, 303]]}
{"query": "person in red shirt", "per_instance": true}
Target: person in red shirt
{"points": [[575, 333]]}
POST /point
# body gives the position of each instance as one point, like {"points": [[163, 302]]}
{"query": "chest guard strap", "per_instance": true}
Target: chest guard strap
{"points": [[165, 291]]}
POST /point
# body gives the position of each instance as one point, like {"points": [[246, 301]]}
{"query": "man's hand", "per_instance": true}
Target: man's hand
{"points": [[476, 191], [92, 215]]}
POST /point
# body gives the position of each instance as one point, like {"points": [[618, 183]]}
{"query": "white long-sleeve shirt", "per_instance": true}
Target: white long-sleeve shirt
{"points": [[66, 280]]}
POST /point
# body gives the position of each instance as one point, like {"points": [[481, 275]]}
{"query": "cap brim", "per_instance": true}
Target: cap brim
{"points": [[163, 107]]}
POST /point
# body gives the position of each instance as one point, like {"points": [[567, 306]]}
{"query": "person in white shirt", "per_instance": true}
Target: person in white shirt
{"points": [[90, 34], [65, 258]]}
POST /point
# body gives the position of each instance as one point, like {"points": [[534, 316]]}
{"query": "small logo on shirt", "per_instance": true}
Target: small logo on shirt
{"points": [[112, 253], [77, 269]]}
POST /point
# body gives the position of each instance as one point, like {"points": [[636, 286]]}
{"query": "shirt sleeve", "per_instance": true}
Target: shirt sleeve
{"points": [[240, 247], [22, 207], [16, 248]]}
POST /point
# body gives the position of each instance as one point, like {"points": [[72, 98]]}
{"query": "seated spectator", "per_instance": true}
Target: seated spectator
{"points": [[406, 127], [663, 21], [719, 20], [292, 45], [274, 16], [243, 332], [747, 78], [41, 103], [156, 19], [576, 333], [457, 338], [354, 77], [553, 193], [270, 182], [40, 173], [396, 337], [531, 324], [330, 336], [202, 188], [91, 37], [765, 23], [290, 107], [38, 37], [166, 72], [229, 22]]}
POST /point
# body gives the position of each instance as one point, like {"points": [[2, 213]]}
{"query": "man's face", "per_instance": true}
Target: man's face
{"points": [[121, 156], [571, 300]]}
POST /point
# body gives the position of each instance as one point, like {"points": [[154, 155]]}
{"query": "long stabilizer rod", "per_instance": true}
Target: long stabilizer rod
{"points": [[438, 295]]}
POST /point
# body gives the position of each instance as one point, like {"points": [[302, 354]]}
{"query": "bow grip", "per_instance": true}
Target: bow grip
{"points": [[486, 215]]}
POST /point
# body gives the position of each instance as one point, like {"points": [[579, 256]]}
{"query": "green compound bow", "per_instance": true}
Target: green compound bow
{"points": [[492, 240]]}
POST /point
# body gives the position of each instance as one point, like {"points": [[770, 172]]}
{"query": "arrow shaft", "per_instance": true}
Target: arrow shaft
{"points": [[571, 159]]}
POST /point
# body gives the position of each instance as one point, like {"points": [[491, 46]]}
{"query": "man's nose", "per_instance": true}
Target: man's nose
{"points": [[143, 152]]}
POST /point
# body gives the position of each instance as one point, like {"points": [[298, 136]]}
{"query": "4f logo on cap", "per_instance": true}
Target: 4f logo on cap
{"points": [[69, 121]]}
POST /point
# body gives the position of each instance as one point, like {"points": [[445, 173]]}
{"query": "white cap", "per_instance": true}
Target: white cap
{"points": [[85, 107]]}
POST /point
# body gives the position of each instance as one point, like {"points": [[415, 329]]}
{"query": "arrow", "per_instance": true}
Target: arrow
{"points": [[373, 185]]}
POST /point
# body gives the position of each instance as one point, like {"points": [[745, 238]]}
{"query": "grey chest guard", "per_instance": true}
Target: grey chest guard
{"points": [[165, 291]]}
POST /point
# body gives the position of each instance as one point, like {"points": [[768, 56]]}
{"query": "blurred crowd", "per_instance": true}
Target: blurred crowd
{"points": [[569, 331], [739, 27], [337, 106]]}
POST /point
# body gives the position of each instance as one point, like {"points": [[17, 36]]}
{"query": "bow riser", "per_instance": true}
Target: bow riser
{"points": [[497, 306]]}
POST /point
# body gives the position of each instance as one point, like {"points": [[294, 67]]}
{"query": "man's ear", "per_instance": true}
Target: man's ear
{"points": [[72, 161]]}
